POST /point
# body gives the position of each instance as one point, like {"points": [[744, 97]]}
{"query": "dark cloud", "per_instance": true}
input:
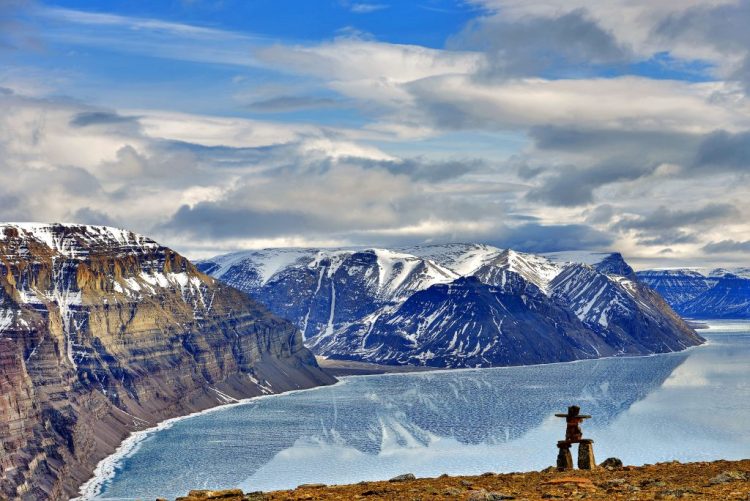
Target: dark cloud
{"points": [[12, 208], [420, 169], [87, 118], [666, 219], [283, 104], [723, 150], [601, 214], [211, 220], [526, 171], [534, 237], [569, 186], [652, 146], [723, 27], [561, 46], [669, 237], [727, 246], [87, 215], [669, 227]]}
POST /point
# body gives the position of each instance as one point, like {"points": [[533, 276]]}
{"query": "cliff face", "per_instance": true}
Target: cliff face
{"points": [[103, 332]]}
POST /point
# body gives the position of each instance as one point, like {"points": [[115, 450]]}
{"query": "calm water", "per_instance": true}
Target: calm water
{"points": [[688, 406]]}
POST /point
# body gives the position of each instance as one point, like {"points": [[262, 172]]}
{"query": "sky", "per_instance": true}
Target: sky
{"points": [[538, 125]]}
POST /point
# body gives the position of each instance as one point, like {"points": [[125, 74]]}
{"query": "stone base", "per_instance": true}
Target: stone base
{"points": [[564, 457], [586, 455]]}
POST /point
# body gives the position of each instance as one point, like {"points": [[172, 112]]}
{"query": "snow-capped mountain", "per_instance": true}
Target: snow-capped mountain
{"points": [[698, 293], [458, 305], [104, 332]]}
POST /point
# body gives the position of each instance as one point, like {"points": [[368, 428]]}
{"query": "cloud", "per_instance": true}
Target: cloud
{"points": [[670, 227], [534, 237], [632, 23], [718, 30], [87, 215], [87, 118], [146, 36], [570, 186], [624, 103], [601, 214], [367, 8], [541, 45], [517, 133], [727, 246], [207, 220], [664, 218], [282, 104], [723, 150], [420, 169]]}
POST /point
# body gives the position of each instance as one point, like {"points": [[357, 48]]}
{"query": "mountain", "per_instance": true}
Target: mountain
{"points": [[104, 332], [694, 293], [458, 305]]}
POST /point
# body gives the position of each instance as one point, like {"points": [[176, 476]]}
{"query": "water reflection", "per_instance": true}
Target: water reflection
{"points": [[455, 421]]}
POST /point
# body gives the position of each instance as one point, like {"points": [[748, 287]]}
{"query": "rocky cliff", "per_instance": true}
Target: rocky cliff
{"points": [[103, 332]]}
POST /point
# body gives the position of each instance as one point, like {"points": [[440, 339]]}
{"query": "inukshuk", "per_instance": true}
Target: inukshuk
{"points": [[573, 435]]}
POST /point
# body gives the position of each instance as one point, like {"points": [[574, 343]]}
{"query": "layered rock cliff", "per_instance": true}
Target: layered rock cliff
{"points": [[103, 332]]}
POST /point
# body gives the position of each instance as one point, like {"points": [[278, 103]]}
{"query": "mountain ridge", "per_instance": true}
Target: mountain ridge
{"points": [[702, 293], [333, 296]]}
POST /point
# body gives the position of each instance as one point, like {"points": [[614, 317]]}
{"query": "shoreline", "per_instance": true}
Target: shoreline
{"points": [[414, 369], [106, 468], [709, 326]]}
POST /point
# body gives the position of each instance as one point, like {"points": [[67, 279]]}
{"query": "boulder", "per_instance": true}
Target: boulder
{"points": [[403, 478], [611, 463]]}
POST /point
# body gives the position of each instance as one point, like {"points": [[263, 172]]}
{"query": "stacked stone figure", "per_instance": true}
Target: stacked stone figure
{"points": [[573, 435]]}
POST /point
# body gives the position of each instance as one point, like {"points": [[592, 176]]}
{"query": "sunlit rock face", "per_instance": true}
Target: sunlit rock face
{"points": [[458, 305], [103, 332]]}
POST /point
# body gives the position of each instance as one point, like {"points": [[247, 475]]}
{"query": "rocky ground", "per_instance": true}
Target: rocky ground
{"points": [[722, 480]]}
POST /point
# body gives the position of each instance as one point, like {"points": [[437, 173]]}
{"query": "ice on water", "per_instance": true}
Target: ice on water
{"points": [[690, 406]]}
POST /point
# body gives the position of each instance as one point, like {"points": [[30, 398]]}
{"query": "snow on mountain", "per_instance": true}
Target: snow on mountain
{"points": [[463, 259], [534, 269], [583, 257], [723, 272], [76, 240], [456, 304], [699, 293], [327, 289], [466, 324]]}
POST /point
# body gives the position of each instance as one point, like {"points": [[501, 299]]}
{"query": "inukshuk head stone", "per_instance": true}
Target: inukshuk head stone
{"points": [[573, 420]]}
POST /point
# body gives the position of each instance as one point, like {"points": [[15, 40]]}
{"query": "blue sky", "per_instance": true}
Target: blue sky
{"points": [[539, 124]]}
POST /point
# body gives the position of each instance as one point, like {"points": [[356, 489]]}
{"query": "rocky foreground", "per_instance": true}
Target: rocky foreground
{"points": [[724, 480]]}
